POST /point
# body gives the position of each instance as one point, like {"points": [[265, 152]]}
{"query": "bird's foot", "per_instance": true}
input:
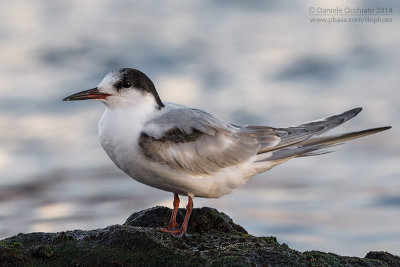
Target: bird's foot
{"points": [[176, 233], [172, 225]]}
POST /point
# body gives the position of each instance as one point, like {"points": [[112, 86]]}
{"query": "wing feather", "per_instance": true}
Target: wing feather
{"points": [[195, 142], [296, 134]]}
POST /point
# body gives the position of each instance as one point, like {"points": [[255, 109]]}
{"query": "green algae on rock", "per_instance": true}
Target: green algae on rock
{"points": [[213, 239]]}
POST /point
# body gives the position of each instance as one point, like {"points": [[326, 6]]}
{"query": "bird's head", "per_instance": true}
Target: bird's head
{"points": [[122, 87]]}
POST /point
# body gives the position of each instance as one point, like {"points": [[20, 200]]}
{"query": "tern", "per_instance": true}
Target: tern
{"points": [[190, 152]]}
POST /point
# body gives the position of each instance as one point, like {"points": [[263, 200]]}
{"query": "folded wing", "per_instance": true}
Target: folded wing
{"points": [[194, 141]]}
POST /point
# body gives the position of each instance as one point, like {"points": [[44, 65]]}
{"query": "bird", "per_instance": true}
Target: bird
{"points": [[190, 152]]}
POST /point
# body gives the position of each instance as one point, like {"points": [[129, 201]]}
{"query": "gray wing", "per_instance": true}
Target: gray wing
{"points": [[198, 143], [300, 141], [297, 134], [271, 139], [194, 141]]}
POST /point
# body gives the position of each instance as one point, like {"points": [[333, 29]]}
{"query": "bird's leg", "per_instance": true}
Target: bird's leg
{"points": [[172, 223], [189, 208], [181, 231]]}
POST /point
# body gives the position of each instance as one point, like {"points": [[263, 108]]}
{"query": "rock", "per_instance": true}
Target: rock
{"points": [[212, 240], [42, 251], [390, 259], [203, 220]]}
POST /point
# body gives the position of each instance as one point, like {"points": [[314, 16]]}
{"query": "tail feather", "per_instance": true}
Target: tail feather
{"points": [[315, 146], [343, 137], [297, 134]]}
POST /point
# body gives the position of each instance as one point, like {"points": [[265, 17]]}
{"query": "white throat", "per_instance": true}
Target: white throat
{"points": [[122, 123], [127, 114]]}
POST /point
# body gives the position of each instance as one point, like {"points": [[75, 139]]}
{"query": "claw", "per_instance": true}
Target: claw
{"points": [[176, 233], [172, 224]]}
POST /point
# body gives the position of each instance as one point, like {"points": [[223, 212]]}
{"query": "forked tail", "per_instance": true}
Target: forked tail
{"points": [[301, 140], [316, 146]]}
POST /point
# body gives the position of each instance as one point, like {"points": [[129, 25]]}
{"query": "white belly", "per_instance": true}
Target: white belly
{"points": [[119, 137]]}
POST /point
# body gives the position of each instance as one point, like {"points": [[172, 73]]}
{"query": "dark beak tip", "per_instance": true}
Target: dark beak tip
{"points": [[87, 94]]}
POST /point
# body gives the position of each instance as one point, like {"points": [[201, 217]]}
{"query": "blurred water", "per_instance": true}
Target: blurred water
{"points": [[252, 62]]}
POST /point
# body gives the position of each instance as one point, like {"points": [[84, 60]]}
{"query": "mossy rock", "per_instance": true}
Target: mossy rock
{"points": [[213, 239]]}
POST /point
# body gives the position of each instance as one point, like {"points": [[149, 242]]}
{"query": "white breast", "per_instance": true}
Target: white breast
{"points": [[119, 131], [118, 135]]}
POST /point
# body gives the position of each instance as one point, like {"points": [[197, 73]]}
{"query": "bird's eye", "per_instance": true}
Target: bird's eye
{"points": [[126, 84]]}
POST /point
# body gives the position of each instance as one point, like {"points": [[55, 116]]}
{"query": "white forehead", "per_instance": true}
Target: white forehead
{"points": [[111, 78]]}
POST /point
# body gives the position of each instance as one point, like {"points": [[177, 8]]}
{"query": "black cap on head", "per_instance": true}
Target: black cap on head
{"points": [[132, 77]]}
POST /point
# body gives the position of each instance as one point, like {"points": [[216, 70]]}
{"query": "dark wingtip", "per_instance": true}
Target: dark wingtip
{"points": [[65, 99], [357, 110], [347, 115], [378, 129], [384, 128]]}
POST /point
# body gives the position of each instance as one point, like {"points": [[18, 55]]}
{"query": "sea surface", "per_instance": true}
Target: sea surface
{"points": [[247, 62]]}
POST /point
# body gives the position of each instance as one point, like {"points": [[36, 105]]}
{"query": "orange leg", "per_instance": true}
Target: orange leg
{"points": [[172, 223], [182, 231]]}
